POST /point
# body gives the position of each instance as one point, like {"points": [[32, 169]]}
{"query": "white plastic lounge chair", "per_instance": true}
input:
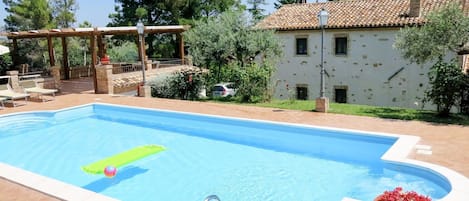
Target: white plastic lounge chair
{"points": [[10, 95], [31, 87], [1, 102]]}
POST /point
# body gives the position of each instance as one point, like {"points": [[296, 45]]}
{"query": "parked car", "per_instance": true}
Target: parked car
{"points": [[223, 90]]}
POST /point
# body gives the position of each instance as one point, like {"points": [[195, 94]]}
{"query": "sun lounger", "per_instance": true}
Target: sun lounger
{"points": [[31, 87], [10, 95], [1, 102]]}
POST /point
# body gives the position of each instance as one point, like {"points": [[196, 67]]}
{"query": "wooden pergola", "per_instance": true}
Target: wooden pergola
{"points": [[96, 39]]}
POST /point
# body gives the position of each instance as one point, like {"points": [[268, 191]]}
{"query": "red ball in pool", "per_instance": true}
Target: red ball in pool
{"points": [[110, 171]]}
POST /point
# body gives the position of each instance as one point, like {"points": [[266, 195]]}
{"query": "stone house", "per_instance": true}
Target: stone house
{"points": [[361, 64]]}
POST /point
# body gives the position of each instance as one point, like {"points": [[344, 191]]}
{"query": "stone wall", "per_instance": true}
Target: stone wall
{"points": [[372, 72]]}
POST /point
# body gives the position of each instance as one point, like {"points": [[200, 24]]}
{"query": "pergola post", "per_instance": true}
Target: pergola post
{"points": [[50, 47], [101, 46], [181, 47], [65, 58], [15, 54], [94, 60]]}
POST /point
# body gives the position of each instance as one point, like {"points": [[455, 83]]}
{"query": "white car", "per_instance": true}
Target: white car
{"points": [[223, 90]]}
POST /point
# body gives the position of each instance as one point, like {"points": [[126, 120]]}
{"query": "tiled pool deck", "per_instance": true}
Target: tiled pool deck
{"points": [[450, 143]]}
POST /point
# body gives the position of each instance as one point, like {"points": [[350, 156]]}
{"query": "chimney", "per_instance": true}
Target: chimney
{"points": [[414, 8]]}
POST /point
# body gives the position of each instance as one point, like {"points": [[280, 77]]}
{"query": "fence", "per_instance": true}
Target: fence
{"points": [[125, 68], [118, 68]]}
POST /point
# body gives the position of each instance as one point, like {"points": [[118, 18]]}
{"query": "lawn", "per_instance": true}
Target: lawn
{"points": [[371, 111]]}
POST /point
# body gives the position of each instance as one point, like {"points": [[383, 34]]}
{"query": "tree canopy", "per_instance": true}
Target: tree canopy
{"points": [[63, 12], [280, 3], [234, 51], [166, 13], [256, 10], [27, 15], [445, 31]]}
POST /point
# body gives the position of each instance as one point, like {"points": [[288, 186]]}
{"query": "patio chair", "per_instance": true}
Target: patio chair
{"points": [[1, 102], [31, 87], [10, 95]]}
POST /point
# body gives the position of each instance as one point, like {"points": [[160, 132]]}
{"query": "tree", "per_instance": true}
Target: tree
{"points": [[63, 12], [256, 10], [445, 32], [166, 13], [27, 15], [124, 52], [234, 51], [280, 3]]}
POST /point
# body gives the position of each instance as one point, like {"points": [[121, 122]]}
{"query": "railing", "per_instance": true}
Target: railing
{"points": [[29, 77], [118, 68], [168, 62], [80, 71], [30, 73], [125, 68]]}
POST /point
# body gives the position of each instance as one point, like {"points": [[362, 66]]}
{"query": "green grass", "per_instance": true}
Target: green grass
{"points": [[371, 111]]}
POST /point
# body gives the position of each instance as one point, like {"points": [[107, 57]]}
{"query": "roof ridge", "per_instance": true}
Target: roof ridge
{"points": [[349, 14]]}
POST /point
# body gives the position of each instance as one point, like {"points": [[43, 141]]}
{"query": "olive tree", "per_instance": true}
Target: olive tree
{"points": [[235, 51], [444, 32]]}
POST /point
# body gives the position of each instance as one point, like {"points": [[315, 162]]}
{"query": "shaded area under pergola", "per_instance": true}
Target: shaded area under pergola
{"points": [[96, 36]]}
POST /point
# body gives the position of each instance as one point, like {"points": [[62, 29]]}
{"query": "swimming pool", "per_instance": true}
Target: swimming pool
{"points": [[235, 159]]}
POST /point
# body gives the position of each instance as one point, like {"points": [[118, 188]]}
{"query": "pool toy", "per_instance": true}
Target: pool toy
{"points": [[110, 171], [122, 158]]}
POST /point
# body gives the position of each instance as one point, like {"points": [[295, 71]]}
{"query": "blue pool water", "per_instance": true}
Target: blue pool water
{"points": [[234, 159]]}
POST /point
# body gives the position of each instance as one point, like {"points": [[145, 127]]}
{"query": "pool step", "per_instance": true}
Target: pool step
{"points": [[423, 149], [212, 198], [349, 199]]}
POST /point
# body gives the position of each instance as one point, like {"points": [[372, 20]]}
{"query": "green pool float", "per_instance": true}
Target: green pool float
{"points": [[122, 158]]}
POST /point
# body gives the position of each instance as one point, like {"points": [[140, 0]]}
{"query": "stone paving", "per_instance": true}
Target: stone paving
{"points": [[450, 143]]}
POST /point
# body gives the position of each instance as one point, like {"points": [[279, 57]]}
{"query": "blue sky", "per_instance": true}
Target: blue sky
{"points": [[97, 11]]}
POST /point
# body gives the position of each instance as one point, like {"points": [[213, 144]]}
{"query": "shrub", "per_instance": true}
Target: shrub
{"points": [[160, 87], [124, 52], [184, 84], [5, 63], [253, 83], [446, 81], [398, 195]]}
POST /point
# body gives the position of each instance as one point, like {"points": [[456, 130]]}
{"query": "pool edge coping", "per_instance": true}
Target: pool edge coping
{"points": [[397, 153]]}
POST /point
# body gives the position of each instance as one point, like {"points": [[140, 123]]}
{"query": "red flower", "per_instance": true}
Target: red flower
{"points": [[398, 195]]}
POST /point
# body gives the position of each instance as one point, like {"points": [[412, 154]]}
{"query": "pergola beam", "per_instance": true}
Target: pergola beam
{"points": [[95, 35], [83, 32]]}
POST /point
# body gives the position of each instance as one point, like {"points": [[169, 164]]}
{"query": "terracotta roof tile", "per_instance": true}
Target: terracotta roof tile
{"points": [[348, 14]]}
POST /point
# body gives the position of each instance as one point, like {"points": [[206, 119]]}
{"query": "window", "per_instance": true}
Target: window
{"points": [[301, 46], [302, 92], [341, 45], [340, 94]]}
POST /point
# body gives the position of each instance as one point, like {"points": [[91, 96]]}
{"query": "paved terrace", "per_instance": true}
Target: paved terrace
{"points": [[450, 143]]}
